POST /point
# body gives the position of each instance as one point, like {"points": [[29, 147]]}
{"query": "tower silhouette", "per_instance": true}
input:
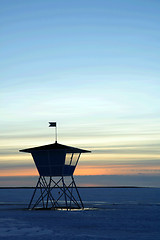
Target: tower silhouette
{"points": [[56, 187]]}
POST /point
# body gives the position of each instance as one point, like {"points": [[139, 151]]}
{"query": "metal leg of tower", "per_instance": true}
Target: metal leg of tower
{"points": [[45, 192], [42, 195], [65, 196], [71, 193], [77, 191], [34, 192], [71, 196], [48, 192], [46, 199], [49, 186], [64, 192]]}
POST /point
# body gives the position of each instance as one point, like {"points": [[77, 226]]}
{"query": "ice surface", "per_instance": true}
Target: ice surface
{"points": [[110, 214]]}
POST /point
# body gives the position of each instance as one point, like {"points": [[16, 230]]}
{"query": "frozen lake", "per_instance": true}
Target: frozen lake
{"points": [[110, 213]]}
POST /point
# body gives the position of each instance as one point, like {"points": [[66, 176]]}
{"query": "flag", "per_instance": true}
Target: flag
{"points": [[52, 124]]}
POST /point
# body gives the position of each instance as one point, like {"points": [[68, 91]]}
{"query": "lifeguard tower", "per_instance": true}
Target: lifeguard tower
{"points": [[56, 188]]}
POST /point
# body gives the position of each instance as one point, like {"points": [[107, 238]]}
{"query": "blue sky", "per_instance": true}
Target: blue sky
{"points": [[92, 66]]}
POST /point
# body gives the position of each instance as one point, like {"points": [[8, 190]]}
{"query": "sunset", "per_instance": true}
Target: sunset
{"points": [[80, 119]]}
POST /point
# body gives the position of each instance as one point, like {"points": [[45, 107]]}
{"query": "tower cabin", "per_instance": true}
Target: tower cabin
{"points": [[55, 164]]}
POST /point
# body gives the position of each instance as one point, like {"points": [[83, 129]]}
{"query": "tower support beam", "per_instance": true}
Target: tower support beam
{"points": [[56, 193]]}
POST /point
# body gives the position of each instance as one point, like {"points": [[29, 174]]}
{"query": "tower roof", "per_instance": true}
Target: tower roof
{"points": [[55, 146]]}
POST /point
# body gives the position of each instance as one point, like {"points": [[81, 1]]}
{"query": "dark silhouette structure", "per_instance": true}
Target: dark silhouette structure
{"points": [[56, 187]]}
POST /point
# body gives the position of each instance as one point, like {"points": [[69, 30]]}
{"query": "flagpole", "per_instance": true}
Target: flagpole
{"points": [[56, 134], [54, 124]]}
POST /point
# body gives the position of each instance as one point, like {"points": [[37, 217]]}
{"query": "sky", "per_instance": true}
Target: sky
{"points": [[93, 67]]}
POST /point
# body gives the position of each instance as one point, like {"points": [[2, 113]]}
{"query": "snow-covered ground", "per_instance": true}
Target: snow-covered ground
{"points": [[110, 214]]}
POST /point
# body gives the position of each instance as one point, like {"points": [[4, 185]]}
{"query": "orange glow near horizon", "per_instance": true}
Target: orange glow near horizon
{"points": [[89, 170], [19, 172], [116, 170]]}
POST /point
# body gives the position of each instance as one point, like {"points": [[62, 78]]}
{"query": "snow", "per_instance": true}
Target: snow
{"points": [[110, 214]]}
